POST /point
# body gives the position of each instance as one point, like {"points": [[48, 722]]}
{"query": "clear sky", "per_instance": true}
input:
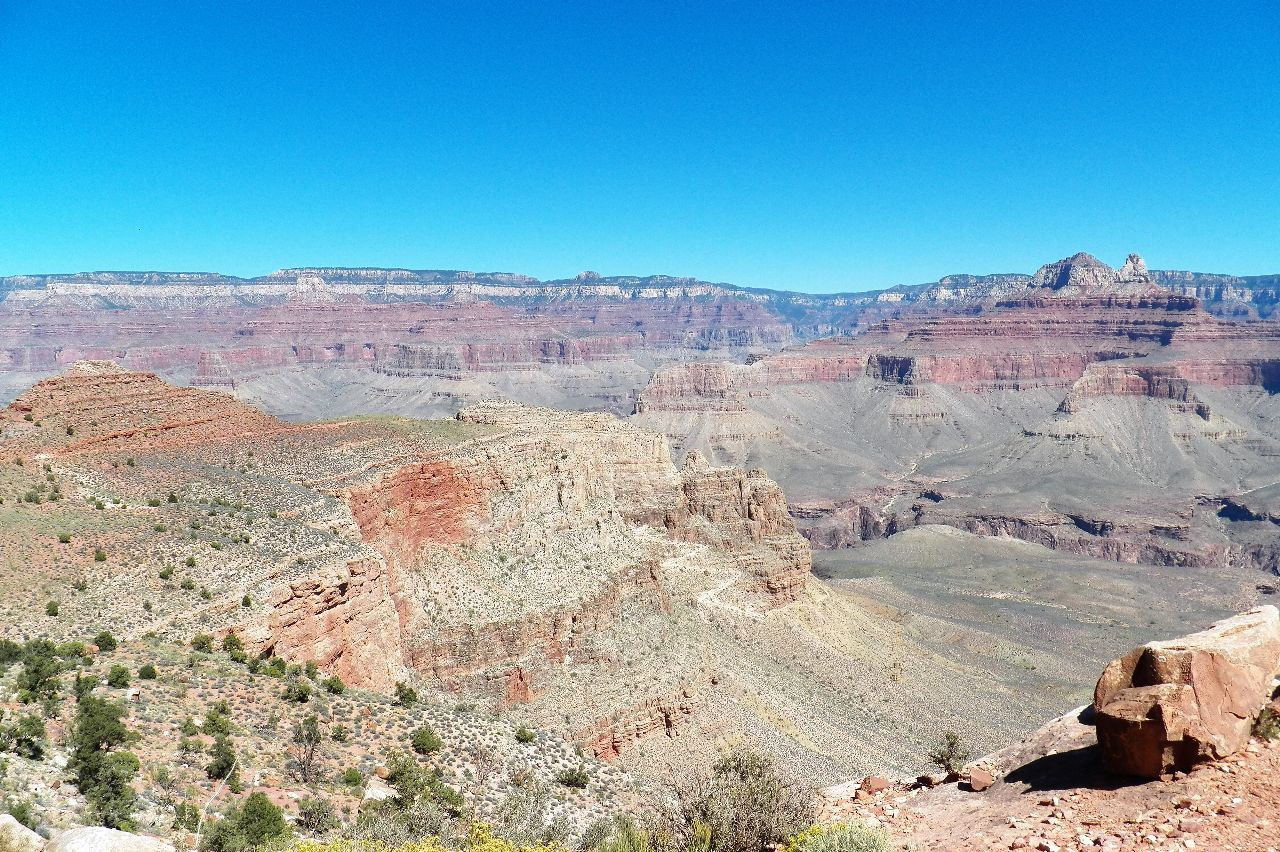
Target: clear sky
{"points": [[813, 146]]}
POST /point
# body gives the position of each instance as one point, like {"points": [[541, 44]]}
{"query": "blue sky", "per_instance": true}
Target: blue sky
{"points": [[811, 146]]}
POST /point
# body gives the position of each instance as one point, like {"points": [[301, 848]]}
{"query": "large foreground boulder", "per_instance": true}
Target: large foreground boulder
{"points": [[98, 839], [1171, 705], [17, 837]]}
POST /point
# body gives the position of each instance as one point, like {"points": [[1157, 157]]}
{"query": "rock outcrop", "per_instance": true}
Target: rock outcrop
{"points": [[98, 839], [1169, 705]]}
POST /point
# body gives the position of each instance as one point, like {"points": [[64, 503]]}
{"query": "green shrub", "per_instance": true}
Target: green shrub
{"points": [[405, 695], [217, 720], [191, 562], [40, 670], [524, 735], [51, 608], [745, 805], [102, 772], [1268, 725], [316, 816], [425, 740], [105, 641], [246, 602], [231, 643], [415, 785], [147, 672], [297, 691], [339, 733], [222, 763], [83, 685], [118, 677], [24, 813], [576, 778], [64, 538], [202, 642], [311, 669], [189, 727], [950, 754], [845, 837], [26, 738], [351, 777], [187, 584], [186, 817], [99, 555], [334, 684], [255, 823]]}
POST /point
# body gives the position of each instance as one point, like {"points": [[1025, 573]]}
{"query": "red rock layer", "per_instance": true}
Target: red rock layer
{"points": [[348, 624], [97, 406], [433, 502]]}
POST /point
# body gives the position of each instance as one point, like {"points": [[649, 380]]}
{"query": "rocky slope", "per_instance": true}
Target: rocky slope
{"points": [[1082, 781]]}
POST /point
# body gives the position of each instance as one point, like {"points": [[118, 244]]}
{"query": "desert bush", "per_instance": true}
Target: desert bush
{"points": [[334, 684], [524, 735], [255, 823], [1268, 725], [405, 695], [576, 778], [23, 811], [41, 667], [25, 738], [307, 737], [105, 641], [118, 677], [232, 643], [83, 685], [316, 816], [846, 837], [102, 771], [51, 608], [950, 754], [202, 642], [425, 740], [222, 763], [745, 805], [297, 691], [351, 777], [147, 672], [217, 720]]}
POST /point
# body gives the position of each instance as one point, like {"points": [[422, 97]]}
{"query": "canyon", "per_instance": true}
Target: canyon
{"points": [[653, 518]]}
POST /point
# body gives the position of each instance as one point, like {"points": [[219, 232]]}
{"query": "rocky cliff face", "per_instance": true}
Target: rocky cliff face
{"points": [[360, 335]]}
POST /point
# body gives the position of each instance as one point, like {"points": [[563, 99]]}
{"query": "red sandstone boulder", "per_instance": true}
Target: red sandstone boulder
{"points": [[1169, 705], [980, 779], [875, 784]]}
